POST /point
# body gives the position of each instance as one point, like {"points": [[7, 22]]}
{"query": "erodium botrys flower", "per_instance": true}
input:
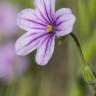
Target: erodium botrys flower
{"points": [[43, 25]]}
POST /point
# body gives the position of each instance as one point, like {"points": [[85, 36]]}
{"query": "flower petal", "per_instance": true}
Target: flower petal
{"points": [[28, 20], [45, 51], [45, 9], [64, 21], [29, 42]]}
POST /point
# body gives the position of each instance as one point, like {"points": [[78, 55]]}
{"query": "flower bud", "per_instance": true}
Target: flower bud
{"points": [[88, 74]]}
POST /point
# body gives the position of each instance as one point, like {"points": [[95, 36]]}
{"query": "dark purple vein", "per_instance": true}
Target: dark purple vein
{"points": [[40, 19], [43, 16], [61, 22], [51, 12], [59, 17], [34, 40], [47, 44], [34, 21], [38, 28], [46, 11]]}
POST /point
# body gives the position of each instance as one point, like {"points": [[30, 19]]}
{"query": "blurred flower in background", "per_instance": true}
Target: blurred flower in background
{"points": [[11, 65], [8, 19]]}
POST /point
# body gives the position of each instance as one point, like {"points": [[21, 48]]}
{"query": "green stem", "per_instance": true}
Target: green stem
{"points": [[79, 47], [80, 50], [93, 84]]}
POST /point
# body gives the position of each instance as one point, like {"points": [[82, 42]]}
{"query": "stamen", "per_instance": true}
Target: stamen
{"points": [[50, 28]]}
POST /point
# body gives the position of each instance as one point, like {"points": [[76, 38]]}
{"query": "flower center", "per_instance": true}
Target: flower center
{"points": [[50, 28]]}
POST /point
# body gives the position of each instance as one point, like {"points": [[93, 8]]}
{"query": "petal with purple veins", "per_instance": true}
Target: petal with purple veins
{"points": [[45, 9], [29, 42], [64, 21], [45, 51], [28, 20]]}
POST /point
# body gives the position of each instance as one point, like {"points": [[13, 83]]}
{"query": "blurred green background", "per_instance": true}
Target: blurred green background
{"points": [[63, 75]]}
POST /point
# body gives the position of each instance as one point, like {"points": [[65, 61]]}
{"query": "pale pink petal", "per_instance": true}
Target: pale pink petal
{"points": [[64, 21], [28, 20], [45, 51], [45, 9], [29, 42]]}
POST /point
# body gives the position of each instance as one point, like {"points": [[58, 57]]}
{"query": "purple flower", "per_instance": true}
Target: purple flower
{"points": [[43, 25], [7, 19], [10, 63]]}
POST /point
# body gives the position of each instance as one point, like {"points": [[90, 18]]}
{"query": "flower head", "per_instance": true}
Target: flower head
{"points": [[43, 25], [7, 19], [10, 63]]}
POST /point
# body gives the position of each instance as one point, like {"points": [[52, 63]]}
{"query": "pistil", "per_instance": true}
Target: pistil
{"points": [[50, 28]]}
